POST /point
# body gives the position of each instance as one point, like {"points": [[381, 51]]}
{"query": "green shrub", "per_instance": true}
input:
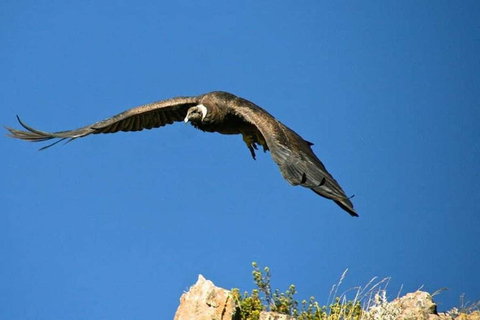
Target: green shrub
{"points": [[249, 306]]}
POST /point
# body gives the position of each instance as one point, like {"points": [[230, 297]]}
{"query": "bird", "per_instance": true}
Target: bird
{"points": [[225, 113]]}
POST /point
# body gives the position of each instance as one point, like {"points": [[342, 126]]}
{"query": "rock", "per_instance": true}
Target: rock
{"points": [[416, 305], [264, 315], [472, 316], [205, 301]]}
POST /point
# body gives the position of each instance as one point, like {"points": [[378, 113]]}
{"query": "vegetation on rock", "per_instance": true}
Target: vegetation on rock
{"points": [[249, 306], [367, 303]]}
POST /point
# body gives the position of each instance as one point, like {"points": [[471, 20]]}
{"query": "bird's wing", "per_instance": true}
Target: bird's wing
{"points": [[153, 115], [298, 164]]}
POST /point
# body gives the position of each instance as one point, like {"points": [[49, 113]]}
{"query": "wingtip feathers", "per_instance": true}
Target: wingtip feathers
{"points": [[347, 206]]}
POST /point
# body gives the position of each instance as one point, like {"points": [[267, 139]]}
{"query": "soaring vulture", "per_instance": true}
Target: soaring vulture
{"points": [[225, 113]]}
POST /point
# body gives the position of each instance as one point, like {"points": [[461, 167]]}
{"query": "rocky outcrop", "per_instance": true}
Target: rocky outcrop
{"points": [[417, 305], [472, 316], [205, 301]]}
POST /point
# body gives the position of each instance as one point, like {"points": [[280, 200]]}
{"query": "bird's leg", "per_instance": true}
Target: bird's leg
{"points": [[252, 152], [252, 146]]}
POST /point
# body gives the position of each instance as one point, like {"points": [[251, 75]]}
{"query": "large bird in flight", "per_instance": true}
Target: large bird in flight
{"points": [[225, 113]]}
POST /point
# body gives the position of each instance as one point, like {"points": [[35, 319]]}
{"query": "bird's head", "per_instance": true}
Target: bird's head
{"points": [[196, 114]]}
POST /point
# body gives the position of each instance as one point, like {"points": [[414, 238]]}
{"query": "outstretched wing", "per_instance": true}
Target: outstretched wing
{"points": [[298, 164], [153, 115]]}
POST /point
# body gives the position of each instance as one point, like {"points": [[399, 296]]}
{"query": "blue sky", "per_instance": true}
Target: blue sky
{"points": [[118, 226]]}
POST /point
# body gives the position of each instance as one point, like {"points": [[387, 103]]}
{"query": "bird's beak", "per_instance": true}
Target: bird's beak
{"points": [[186, 119]]}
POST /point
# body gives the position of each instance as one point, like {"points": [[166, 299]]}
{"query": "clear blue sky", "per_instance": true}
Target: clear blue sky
{"points": [[118, 226]]}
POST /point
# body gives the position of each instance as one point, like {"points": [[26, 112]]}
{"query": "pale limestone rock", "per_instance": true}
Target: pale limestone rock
{"points": [[472, 316], [416, 305], [264, 315], [419, 305], [204, 301]]}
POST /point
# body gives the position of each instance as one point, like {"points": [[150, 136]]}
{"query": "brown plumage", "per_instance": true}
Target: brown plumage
{"points": [[225, 113]]}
